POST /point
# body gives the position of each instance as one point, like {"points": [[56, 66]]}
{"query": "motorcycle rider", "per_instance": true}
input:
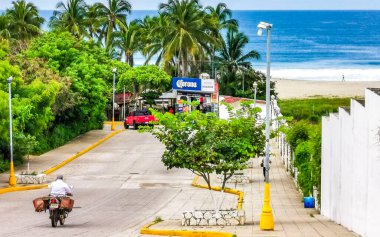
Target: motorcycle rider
{"points": [[60, 188]]}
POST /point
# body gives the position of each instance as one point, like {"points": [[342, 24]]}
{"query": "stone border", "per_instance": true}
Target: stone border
{"points": [[236, 178], [213, 218], [31, 179]]}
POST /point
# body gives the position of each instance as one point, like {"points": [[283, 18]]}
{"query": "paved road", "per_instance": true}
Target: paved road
{"points": [[122, 185], [118, 187]]}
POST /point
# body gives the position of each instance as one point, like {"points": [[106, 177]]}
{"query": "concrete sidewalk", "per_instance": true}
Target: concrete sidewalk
{"points": [[291, 218]]}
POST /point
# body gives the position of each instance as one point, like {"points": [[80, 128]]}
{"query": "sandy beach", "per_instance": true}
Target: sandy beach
{"points": [[304, 88]]}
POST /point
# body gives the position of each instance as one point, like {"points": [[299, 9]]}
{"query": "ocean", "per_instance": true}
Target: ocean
{"points": [[310, 45]]}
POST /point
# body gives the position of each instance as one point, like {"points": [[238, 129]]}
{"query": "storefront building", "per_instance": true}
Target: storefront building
{"points": [[195, 89]]}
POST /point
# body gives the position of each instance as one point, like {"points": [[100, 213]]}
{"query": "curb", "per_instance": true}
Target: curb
{"points": [[190, 233], [226, 190], [54, 168], [117, 123], [22, 188], [196, 233], [65, 162]]}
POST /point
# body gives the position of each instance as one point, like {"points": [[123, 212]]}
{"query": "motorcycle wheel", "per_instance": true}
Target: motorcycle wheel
{"points": [[62, 219], [54, 218]]}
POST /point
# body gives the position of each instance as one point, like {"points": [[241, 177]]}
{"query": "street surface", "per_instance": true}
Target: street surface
{"points": [[118, 186], [122, 185]]}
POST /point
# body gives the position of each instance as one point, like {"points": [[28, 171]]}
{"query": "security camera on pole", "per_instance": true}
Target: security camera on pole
{"points": [[266, 219], [12, 177]]}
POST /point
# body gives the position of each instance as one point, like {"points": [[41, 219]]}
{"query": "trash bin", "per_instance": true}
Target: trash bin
{"points": [[309, 202]]}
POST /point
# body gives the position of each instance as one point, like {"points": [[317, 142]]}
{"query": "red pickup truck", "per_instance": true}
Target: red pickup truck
{"points": [[137, 118]]}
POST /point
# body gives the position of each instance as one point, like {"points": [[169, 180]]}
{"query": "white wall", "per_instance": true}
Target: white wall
{"points": [[350, 191]]}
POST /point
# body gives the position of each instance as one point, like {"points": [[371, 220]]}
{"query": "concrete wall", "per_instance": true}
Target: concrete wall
{"points": [[351, 166]]}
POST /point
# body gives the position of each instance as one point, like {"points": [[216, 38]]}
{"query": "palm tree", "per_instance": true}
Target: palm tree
{"points": [[224, 16], [224, 20], [93, 22], [232, 60], [4, 27], [186, 35], [153, 37], [129, 41], [25, 21], [71, 17], [113, 16]]}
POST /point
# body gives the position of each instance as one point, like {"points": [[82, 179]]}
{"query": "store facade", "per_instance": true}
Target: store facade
{"points": [[195, 89]]}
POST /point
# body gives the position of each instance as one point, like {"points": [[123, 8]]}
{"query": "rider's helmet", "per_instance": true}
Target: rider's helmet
{"points": [[59, 177]]}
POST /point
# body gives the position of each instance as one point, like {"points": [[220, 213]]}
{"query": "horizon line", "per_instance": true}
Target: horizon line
{"points": [[42, 9]]}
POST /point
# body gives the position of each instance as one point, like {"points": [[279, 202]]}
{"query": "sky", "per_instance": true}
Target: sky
{"points": [[237, 4]]}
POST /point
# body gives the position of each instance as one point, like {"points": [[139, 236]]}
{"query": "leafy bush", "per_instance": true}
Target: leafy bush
{"points": [[305, 136]]}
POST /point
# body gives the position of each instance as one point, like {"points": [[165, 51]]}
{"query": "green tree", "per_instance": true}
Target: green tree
{"points": [[233, 63], [204, 144], [224, 21], [88, 72], [93, 23], [25, 21], [129, 41], [5, 32], [143, 78], [113, 16], [70, 17], [31, 107], [186, 37]]}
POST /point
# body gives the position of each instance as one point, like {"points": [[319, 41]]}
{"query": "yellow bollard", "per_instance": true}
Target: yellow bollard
{"points": [[266, 219], [12, 177], [113, 127]]}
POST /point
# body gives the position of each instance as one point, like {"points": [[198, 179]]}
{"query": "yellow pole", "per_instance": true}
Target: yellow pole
{"points": [[12, 177], [266, 219], [113, 127]]}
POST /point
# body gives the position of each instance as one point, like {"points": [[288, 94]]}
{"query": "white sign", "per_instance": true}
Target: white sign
{"points": [[181, 84], [208, 85]]}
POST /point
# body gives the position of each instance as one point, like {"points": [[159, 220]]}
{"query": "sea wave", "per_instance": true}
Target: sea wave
{"points": [[327, 74]]}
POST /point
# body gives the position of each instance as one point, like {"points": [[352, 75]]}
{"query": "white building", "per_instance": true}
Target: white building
{"points": [[350, 192]]}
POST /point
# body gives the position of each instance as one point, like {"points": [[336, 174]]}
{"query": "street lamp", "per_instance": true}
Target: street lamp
{"points": [[266, 219], [12, 177], [113, 127], [255, 89]]}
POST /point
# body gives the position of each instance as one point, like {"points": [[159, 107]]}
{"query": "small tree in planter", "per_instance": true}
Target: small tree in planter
{"points": [[204, 144]]}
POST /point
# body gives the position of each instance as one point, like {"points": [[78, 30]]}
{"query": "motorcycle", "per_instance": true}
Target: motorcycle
{"points": [[57, 211], [58, 207]]}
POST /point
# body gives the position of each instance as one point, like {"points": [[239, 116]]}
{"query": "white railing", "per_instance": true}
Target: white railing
{"points": [[286, 152]]}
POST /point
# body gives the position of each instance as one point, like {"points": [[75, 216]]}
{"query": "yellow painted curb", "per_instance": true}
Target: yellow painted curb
{"points": [[54, 168], [22, 188], [118, 123], [226, 190], [191, 233]]}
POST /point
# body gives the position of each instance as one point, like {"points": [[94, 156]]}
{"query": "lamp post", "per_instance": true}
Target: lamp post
{"points": [[113, 127], [12, 177], [266, 219], [255, 90]]}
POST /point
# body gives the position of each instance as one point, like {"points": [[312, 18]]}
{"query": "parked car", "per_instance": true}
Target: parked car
{"points": [[138, 118]]}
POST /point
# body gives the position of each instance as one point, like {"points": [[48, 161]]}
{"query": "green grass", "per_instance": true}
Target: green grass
{"points": [[311, 109]]}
